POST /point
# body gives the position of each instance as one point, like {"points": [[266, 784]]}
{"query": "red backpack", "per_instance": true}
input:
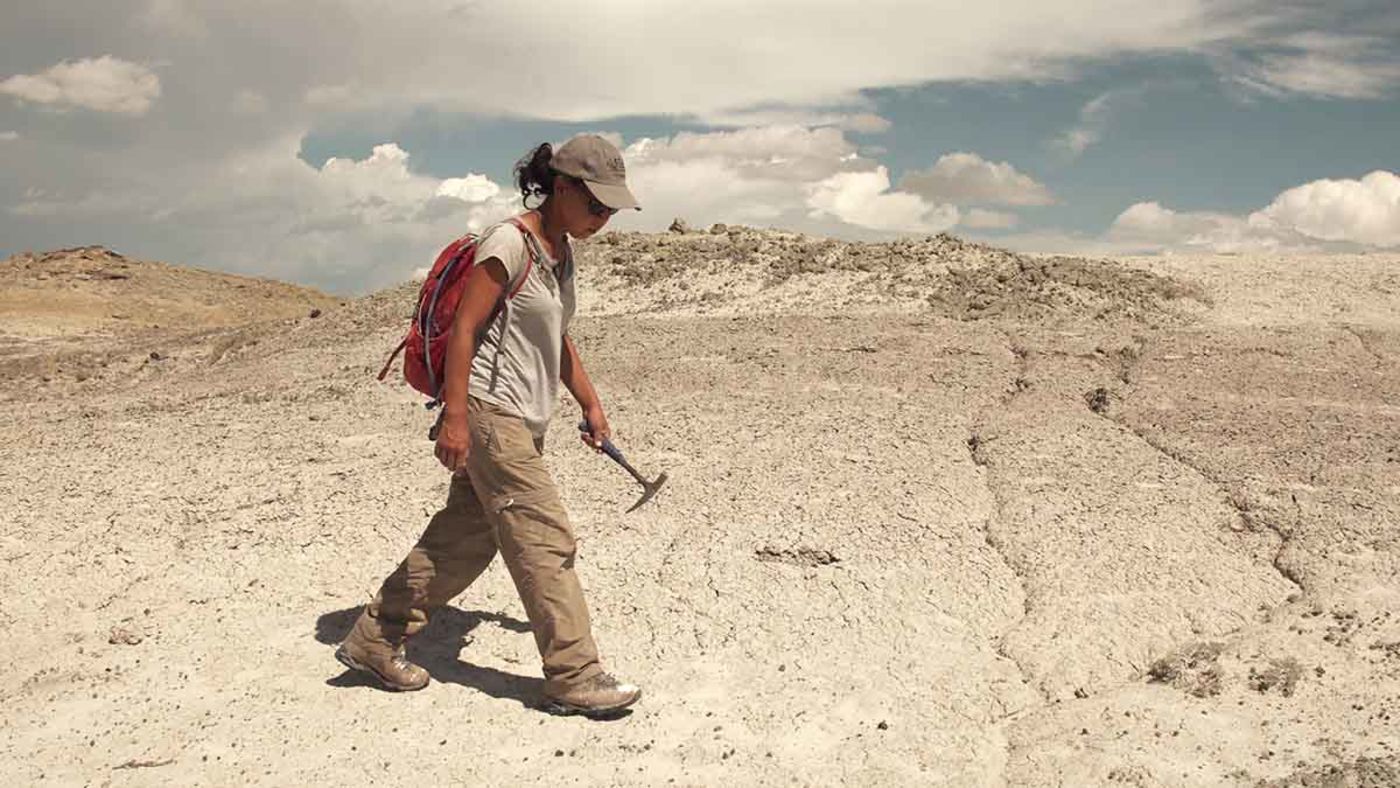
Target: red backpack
{"points": [[428, 334]]}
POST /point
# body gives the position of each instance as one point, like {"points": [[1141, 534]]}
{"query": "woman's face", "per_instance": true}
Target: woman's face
{"points": [[583, 215]]}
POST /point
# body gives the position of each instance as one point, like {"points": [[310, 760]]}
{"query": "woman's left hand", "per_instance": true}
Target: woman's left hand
{"points": [[598, 429]]}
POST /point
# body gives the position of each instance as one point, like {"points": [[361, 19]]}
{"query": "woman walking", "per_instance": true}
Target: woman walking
{"points": [[508, 353]]}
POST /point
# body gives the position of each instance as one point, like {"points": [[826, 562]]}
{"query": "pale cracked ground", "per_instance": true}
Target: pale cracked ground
{"points": [[896, 549]]}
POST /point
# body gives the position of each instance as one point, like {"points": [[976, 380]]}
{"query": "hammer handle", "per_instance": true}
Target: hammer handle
{"points": [[616, 454]]}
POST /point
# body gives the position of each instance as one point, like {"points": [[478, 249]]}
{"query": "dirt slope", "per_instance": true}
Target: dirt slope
{"points": [[69, 312], [938, 515]]}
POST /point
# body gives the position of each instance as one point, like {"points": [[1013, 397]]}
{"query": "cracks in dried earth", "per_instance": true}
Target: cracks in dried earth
{"points": [[698, 613], [802, 556], [1123, 362], [1126, 360], [976, 446], [1249, 518], [1362, 339]]}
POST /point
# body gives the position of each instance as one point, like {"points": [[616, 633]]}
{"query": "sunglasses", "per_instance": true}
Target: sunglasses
{"points": [[594, 206]]}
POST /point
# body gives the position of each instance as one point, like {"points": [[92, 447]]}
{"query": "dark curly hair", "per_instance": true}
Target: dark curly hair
{"points": [[533, 176]]}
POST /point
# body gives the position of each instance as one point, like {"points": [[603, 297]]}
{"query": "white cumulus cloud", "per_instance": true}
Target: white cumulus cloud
{"points": [[966, 178], [791, 176], [1364, 211], [1319, 215], [1155, 227], [1152, 227], [864, 199], [473, 188], [104, 84], [759, 176], [349, 224]]}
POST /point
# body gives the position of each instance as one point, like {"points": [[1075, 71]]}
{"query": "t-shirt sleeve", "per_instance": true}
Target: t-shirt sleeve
{"points": [[505, 243]]}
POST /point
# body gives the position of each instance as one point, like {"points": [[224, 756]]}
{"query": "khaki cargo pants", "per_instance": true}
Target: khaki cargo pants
{"points": [[505, 501]]}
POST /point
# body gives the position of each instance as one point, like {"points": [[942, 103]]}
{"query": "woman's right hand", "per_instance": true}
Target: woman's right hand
{"points": [[453, 441]]}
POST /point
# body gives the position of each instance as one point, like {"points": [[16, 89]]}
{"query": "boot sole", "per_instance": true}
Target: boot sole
{"points": [[350, 662], [561, 709]]}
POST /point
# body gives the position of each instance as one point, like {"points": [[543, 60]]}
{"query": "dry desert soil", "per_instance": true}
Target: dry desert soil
{"points": [[938, 514]]}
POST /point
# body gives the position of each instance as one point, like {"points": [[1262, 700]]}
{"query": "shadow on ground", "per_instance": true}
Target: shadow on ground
{"points": [[436, 648]]}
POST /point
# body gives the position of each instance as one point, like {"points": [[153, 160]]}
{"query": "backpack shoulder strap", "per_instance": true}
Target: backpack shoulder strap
{"points": [[532, 250], [385, 371]]}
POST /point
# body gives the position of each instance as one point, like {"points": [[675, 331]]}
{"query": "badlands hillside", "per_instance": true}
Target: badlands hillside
{"points": [[88, 306], [938, 514]]}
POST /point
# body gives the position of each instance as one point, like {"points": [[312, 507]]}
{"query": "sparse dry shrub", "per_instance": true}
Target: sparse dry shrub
{"points": [[1028, 288], [1193, 668], [1361, 773], [1098, 400], [1280, 674]]}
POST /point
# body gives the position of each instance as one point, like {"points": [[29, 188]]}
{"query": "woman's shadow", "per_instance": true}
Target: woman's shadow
{"points": [[436, 649]]}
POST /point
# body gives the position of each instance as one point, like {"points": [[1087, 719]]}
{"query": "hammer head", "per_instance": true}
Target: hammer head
{"points": [[648, 491]]}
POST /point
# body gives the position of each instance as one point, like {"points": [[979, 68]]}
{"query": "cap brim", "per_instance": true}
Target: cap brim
{"points": [[615, 197]]}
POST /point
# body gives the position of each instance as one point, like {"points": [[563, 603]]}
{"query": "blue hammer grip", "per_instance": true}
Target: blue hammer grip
{"points": [[608, 447]]}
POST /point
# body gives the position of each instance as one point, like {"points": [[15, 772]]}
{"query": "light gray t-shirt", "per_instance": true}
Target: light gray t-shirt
{"points": [[517, 364]]}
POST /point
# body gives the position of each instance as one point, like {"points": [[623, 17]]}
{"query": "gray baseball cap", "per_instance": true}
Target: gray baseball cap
{"points": [[598, 163]]}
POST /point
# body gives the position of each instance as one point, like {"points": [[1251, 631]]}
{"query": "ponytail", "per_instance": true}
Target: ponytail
{"points": [[533, 176]]}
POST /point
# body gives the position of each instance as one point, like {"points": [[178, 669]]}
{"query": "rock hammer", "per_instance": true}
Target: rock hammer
{"points": [[648, 488]]}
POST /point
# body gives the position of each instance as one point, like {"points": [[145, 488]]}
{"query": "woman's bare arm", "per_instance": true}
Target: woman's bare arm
{"points": [[482, 292], [572, 373]]}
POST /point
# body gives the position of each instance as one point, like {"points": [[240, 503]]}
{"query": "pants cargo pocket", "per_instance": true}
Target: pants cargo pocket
{"points": [[534, 522], [534, 538], [538, 546]]}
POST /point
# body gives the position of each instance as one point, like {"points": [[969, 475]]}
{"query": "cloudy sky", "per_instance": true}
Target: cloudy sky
{"points": [[342, 142]]}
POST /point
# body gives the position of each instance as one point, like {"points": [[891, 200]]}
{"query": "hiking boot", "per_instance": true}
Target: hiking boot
{"points": [[389, 666], [596, 696]]}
